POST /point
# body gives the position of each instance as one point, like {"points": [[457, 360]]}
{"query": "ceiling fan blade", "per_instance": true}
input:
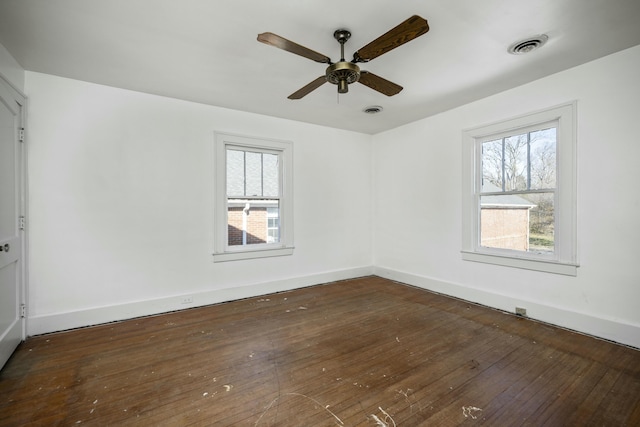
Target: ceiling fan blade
{"points": [[300, 93], [401, 34], [379, 84], [284, 44]]}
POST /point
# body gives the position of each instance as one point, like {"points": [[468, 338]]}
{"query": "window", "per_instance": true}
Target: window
{"points": [[519, 192], [253, 203]]}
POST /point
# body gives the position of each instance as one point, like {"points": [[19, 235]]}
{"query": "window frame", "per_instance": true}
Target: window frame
{"points": [[564, 258], [284, 149]]}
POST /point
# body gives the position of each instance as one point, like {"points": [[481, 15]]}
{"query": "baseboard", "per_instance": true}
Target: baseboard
{"points": [[608, 329], [43, 324]]}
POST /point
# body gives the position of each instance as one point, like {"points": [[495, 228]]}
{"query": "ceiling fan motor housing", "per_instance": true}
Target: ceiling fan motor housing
{"points": [[343, 73]]}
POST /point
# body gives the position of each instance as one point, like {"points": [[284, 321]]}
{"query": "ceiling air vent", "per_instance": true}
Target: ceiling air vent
{"points": [[528, 45], [373, 109]]}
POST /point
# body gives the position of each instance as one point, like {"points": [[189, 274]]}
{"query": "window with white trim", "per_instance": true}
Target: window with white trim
{"points": [[253, 203], [519, 195]]}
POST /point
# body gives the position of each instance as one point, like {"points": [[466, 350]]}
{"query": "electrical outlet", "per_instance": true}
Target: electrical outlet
{"points": [[521, 311], [187, 300]]}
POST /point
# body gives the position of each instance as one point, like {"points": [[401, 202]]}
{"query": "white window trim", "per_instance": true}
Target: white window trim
{"points": [[222, 252], [564, 260]]}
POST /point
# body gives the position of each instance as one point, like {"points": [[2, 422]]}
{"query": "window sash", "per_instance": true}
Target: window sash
{"points": [[502, 136], [273, 193]]}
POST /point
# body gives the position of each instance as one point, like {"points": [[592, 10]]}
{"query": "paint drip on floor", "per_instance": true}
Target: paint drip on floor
{"points": [[470, 411]]}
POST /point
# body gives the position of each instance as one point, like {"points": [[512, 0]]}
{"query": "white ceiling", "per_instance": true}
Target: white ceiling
{"points": [[206, 51]]}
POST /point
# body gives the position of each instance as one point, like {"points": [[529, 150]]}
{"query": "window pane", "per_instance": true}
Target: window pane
{"points": [[256, 222], [235, 172], [492, 166], [518, 222], [542, 222], [253, 173], [543, 159], [504, 222], [270, 175], [273, 225], [515, 163]]}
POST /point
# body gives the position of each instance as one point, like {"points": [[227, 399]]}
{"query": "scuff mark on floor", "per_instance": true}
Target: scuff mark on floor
{"points": [[384, 422], [324, 407], [94, 406], [411, 404]]}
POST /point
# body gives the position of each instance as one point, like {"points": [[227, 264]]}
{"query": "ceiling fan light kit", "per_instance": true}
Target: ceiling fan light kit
{"points": [[343, 73]]}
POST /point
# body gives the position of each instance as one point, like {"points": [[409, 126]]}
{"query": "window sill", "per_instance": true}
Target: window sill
{"points": [[262, 253], [546, 266]]}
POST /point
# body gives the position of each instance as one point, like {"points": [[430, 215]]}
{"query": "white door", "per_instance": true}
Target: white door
{"points": [[11, 237]]}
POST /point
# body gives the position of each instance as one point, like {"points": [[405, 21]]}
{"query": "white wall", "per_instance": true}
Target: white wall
{"points": [[10, 70], [417, 214], [121, 204]]}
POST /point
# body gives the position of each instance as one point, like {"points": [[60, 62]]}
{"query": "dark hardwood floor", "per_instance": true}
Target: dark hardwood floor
{"points": [[362, 352]]}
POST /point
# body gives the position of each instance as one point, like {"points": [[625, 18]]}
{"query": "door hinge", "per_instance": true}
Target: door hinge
{"points": [[21, 135], [23, 310], [21, 222]]}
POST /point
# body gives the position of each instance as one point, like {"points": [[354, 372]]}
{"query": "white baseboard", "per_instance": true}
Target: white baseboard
{"points": [[43, 324], [608, 329]]}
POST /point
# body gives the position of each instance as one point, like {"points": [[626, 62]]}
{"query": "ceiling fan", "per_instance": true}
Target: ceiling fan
{"points": [[343, 73]]}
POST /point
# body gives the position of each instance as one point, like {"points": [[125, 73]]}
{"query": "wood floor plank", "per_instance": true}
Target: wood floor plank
{"points": [[574, 394], [361, 352], [616, 407]]}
